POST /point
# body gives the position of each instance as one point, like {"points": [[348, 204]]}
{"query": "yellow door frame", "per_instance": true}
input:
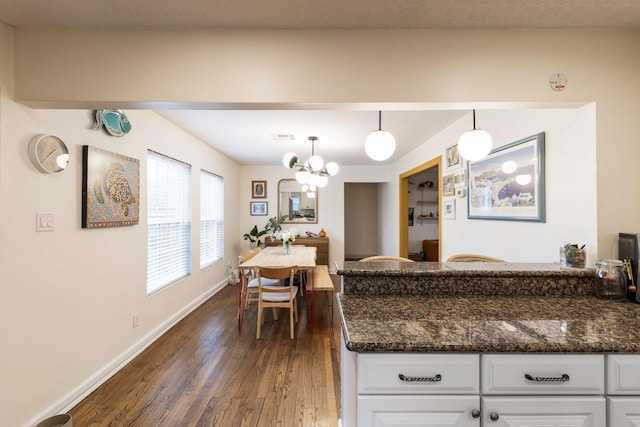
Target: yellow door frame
{"points": [[404, 203]]}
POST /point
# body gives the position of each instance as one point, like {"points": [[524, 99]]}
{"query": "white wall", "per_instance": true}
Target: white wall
{"points": [[361, 219], [454, 68], [68, 296], [571, 193]]}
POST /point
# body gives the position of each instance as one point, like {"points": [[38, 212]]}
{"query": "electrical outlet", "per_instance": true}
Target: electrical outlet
{"points": [[136, 320]]}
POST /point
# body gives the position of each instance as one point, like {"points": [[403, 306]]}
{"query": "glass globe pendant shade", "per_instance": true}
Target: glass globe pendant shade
{"points": [[322, 181], [316, 162], [380, 145], [332, 168], [289, 160], [475, 144], [302, 177]]}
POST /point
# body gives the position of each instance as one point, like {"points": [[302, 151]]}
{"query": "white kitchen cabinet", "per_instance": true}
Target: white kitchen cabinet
{"points": [[418, 390], [539, 411], [418, 410], [307, 202], [623, 374], [543, 390], [490, 390], [623, 411], [623, 390], [543, 374]]}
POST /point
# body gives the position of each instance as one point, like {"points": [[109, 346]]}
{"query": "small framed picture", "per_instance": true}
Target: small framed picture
{"points": [[459, 179], [259, 190], [452, 158], [447, 186], [449, 209], [258, 208]]}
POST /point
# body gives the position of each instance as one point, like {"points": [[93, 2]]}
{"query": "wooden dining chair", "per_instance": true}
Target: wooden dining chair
{"points": [[283, 296], [473, 258], [377, 258], [250, 281]]}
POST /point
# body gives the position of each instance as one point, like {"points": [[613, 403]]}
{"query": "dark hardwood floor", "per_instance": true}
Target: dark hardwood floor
{"points": [[203, 373]]}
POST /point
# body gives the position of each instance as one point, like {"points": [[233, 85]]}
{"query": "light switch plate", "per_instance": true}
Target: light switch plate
{"points": [[45, 221]]}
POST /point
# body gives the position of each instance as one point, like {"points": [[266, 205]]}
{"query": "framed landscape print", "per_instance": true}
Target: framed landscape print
{"points": [[509, 183], [258, 208], [110, 189]]}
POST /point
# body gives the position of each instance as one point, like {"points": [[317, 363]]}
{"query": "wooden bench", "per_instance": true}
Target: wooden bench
{"points": [[323, 283]]}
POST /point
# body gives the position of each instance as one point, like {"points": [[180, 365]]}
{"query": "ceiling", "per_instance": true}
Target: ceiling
{"points": [[254, 137]]}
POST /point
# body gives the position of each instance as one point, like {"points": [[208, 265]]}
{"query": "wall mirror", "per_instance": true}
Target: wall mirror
{"points": [[299, 206]]}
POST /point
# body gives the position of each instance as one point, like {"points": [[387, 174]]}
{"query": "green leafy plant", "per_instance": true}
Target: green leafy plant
{"points": [[273, 225]]}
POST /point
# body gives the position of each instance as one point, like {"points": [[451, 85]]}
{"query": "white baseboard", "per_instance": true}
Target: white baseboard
{"points": [[101, 376]]}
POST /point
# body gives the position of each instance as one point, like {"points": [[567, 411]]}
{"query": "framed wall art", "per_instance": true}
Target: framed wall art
{"points": [[509, 183], [258, 189], [449, 209], [447, 186], [110, 189], [258, 208], [460, 179], [452, 158]]}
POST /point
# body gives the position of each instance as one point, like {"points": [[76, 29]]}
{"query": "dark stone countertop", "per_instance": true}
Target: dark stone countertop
{"points": [[452, 320]]}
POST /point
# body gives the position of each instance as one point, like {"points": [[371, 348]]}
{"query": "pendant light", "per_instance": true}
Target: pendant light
{"points": [[311, 172], [380, 144], [474, 144]]}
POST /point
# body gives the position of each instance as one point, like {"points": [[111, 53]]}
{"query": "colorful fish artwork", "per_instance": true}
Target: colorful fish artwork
{"points": [[114, 121]]}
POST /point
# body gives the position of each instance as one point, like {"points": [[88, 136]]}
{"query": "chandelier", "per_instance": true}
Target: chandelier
{"points": [[312, 173]]}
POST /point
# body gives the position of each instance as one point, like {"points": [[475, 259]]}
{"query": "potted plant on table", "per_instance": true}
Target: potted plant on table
{"points": [[273, 226]]}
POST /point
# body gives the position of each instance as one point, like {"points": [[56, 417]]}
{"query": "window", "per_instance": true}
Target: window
{"points": [[169, 221], [211, 218]]}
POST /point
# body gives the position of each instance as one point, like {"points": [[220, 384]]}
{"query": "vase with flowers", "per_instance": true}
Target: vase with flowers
{"points": [[288, 237]]}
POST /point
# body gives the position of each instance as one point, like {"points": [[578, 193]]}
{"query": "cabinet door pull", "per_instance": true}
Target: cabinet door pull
{"points": [[493, 416], [434, 379], [561, 379], [475, 412]]}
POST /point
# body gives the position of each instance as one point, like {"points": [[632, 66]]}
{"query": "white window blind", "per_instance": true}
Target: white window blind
{"points": [[169, 221], [211, 218]]}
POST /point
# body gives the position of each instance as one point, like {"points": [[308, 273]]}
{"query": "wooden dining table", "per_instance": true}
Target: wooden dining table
{"points": [[304, 257]]}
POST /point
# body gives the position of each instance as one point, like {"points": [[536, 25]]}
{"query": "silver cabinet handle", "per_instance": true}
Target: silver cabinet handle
{"points": [[475, 412], [493, 416], [561, 379], [433, 379]]}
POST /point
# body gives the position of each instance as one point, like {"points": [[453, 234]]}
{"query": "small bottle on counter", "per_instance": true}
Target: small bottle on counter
{"points": [[611, 282]]}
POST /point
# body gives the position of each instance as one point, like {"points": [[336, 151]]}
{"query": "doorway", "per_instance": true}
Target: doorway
{"points": [[420, 221], [361, 224]]}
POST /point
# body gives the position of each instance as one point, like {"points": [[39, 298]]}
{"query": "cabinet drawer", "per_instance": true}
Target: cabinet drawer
{"points": [[403, 411], [623, 374], [418, 373], [543, 374], [558, 411]]}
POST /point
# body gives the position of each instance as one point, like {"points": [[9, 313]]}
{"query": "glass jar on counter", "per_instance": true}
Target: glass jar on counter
{"points": [[611, 280]]}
